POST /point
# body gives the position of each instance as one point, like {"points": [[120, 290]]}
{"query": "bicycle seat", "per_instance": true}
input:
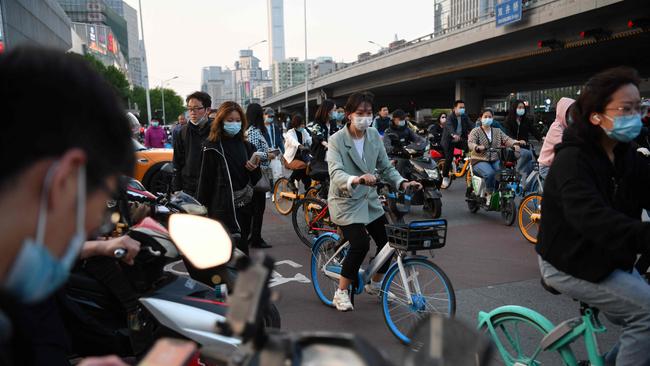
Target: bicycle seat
{"points": [[548, 287]]}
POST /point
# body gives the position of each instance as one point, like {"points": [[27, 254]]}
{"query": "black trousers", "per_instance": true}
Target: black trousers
{"points": [[259, 205], [244, 218], [300, 174], [448, 150], [359, 237]]}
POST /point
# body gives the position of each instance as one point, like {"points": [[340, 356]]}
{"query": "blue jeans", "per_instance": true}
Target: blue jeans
{"points": [[624, 298], [487, 171], [543, 171], [525, 162]]}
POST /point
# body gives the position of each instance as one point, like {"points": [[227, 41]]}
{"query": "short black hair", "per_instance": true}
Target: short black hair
{"points": [[398, 113], [594, 97], [297, 121], [202, 97], [255, 115], [356, 99], [83, 111], [457, 102]]}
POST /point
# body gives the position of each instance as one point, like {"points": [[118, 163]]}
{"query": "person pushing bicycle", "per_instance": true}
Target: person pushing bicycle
{"points": [[353, 156]]}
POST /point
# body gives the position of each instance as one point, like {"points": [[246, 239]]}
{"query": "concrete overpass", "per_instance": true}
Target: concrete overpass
{"points": [[482, 61]]}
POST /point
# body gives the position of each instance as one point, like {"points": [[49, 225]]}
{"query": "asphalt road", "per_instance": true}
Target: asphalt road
{"points": [[489, 265]]}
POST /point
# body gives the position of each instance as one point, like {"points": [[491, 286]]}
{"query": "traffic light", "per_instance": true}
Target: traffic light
{"points": [[550, 43], [643, 23], [596, 33]]}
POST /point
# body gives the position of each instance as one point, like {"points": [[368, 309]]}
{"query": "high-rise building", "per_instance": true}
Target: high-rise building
{"points": [[247, 75], [288, 73], [218, 83], [275, 9], [456, 14], [41, 23], [263, 91], [99, 13]]}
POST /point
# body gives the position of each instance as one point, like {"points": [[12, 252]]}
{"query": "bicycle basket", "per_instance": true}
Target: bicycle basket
{"points": [[418, 235]]}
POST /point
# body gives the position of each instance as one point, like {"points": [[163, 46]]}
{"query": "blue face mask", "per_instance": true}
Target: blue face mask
{"points": [[300, 129], [154, 124], [626, 128], [487, 121], [461, 111], [401, 123], [269, 120], [232, 128], [521, 112], [36, 273]]}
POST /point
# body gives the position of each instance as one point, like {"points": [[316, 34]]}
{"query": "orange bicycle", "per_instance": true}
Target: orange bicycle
{"points": [[459, 167]]}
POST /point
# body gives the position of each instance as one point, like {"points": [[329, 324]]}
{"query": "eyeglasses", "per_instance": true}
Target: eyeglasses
{"points": [[194, 109], [641, 109]]}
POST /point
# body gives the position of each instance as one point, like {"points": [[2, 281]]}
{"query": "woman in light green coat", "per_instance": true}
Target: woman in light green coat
{"points": [[355, 154]]}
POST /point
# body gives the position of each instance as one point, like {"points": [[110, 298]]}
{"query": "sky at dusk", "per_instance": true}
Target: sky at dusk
{"points": [[182, 36]]}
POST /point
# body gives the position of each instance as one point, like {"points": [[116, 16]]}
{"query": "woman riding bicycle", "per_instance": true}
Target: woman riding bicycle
{"points": [[591, 229], [297, 142], [354, 154], [484, 159]]}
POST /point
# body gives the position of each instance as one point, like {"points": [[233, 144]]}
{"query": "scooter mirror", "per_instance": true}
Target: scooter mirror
{"points": [[204, 242]]}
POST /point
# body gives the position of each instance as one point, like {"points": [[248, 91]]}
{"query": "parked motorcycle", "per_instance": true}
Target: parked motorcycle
{"points": [[114, 308], [503, 198], [415, 166]]}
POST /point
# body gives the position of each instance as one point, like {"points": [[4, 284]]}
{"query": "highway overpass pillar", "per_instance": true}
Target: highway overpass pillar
{"points": [[469, 91]]}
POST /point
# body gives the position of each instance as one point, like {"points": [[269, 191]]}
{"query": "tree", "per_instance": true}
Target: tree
{"points": [[113, 76], [173, 104]]}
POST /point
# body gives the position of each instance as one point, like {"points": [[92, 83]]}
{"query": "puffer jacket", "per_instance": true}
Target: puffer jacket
{"points": [[554, 134]]}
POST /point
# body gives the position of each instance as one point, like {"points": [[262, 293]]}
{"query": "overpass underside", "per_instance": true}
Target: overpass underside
{"points": [[495, 67]]}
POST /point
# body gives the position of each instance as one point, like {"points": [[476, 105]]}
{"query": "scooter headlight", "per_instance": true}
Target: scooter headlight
{"points": [[433, 173]]}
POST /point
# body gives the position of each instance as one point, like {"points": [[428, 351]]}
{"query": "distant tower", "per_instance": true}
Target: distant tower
{"points": [[276, 30]]}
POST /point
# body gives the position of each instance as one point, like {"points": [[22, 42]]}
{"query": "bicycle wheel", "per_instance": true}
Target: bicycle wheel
{"points": [[517, 340], [431, 292], [324, 284], [530, 213], [509, 212], [312, 192], [283, 204], [311, 218]]}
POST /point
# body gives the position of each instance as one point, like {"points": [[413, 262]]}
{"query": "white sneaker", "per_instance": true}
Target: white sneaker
{"points": [[342, 300], [374, 289], [445, 182]]}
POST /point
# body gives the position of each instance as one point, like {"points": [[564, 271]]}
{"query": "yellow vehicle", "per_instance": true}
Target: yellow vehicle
{"points": [[148, 163]]}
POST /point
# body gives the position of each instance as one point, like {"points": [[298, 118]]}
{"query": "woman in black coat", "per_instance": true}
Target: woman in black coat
{"points": [[591, 230], [229, 172]]}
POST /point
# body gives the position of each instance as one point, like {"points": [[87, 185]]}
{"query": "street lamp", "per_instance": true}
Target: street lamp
{"points": [[162, 92], [144, 56], [306, 68], [255, 44], [378, 45]]}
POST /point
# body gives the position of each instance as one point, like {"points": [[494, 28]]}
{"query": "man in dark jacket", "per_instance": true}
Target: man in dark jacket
{"points": [[454, 136], [398, 134], [519, 127], [189, 144], [382, 122]]}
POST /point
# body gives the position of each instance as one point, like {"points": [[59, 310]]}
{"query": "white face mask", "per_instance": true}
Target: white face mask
{"points": [[361, 123]]}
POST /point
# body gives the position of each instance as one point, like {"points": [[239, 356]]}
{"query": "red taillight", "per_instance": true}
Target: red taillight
{"points": [[630, 24], [540, 44], [206, 301], [582, 34]]}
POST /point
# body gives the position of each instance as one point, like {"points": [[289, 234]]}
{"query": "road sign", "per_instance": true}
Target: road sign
{"points": [[508, 11]]}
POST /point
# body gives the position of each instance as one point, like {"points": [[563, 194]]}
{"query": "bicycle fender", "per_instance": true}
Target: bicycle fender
{"points": [[324, 236], [485, 318]]}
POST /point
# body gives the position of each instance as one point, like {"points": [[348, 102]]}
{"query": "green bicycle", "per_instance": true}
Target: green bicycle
{"points": [[525, 337]]}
